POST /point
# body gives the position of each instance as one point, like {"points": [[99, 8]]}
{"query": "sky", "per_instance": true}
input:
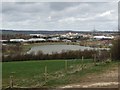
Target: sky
{"points": [[78, 16]]}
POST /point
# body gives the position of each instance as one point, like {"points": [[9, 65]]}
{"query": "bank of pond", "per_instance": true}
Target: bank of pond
{"points": [[49, 52]]}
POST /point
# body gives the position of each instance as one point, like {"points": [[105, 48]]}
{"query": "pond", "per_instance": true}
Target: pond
{"points": [[49, 49]]}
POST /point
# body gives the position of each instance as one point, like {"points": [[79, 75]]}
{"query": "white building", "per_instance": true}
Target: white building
{"points": [[16, 40], [36, 39], [103, 37], [38, 35], [3, 41], [54, 39], [66, 40]]}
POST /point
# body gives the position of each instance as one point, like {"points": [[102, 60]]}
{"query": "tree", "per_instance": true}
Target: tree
{"points": [[115, 50]]}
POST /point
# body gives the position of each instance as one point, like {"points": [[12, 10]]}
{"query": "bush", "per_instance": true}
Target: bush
{"points": [[40, 56], [115, 50]]}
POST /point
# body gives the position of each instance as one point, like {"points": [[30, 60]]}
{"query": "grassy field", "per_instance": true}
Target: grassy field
{"points": [[57, 73]]}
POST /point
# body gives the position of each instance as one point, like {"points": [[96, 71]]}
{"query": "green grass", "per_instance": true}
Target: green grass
{"points": [[31, 73]]}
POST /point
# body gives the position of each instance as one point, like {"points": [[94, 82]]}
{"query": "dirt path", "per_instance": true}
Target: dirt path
{"points": [[107, 79]]}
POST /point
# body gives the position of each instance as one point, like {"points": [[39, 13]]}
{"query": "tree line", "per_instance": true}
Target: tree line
{"points": [[115, 50], [87, 54]]}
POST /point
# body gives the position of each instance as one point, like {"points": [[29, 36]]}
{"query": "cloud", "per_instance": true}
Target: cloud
{"points": [[59, 15], [107, 13]]}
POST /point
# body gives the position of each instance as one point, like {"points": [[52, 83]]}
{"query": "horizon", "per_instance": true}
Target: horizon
{"points": [[62, 30]]}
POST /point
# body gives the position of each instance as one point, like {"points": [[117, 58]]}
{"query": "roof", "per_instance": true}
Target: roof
{"points": [[37, 39], [54, 39], [103, 37], [16, 40], [37, 35], [3, 40]]}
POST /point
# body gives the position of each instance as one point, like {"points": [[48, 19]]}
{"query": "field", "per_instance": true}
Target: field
{"points": [[50, 73]]}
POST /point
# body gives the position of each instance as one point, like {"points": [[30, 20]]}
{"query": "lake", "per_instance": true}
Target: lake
{"points": [[49, 49]]}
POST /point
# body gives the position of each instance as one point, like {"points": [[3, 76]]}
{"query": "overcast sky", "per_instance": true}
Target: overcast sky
{"points": [[60, 16]]}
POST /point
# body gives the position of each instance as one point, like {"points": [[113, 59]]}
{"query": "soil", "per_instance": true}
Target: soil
{"points": [[108, 79]]}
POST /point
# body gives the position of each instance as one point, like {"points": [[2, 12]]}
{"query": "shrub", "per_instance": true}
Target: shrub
{"points": [[40, 56], [115, 50]]}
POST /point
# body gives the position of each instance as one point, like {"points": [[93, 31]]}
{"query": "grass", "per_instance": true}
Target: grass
{"points": [[31, 73]]}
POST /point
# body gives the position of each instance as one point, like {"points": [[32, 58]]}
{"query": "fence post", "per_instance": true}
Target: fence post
{"points": [[82, 58], [66, 65], [94, 58], [11, 81], [45, 73], [82, 62]]}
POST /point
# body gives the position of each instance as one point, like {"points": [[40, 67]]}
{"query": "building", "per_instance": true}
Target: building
{"points": [[38, 35], [103, 37], [3, 41], [54, 39], [16, 40], [36, 40]]}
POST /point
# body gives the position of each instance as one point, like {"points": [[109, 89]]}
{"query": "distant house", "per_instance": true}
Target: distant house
{"points": [[103, 37], [2, 41], [16, 40], [37, 35], [36, 39], [54, 39], [66, 40]]}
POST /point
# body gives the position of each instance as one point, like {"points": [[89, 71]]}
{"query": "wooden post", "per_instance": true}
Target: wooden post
{"points": [[94, 58], [45, 73], [11, 81], [82, 62], [65, 65], [82, 58]]}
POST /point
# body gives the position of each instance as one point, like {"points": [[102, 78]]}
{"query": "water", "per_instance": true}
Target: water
{"points": [[49, 49]]}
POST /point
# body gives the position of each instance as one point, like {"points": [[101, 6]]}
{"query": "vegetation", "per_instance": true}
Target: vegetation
{"points": [[14, 36], [115, 51], [19, 56], [17, 52], [33, 74], [52, 70], [12, 49]]}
